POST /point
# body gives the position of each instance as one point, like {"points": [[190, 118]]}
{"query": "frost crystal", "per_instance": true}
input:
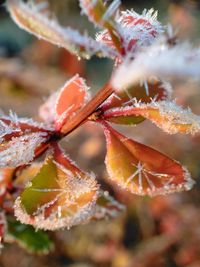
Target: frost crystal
{"points": [[7, 129], [13, 125], [172, 117], [159, 60], [168, 182], [135, 30], [20, 150], [54, 221]]}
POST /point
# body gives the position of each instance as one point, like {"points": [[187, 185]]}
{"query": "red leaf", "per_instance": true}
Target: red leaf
{"points": [[63, 104], [152, 89], [72, 98], [136, 30], [12, 126], [20, 138], [141, 169]]}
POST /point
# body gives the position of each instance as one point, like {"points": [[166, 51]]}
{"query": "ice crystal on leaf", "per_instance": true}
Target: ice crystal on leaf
{"points": [[67, 198], [141, 169], [167, 115], [158, 60], [20, 138], [135, 30], [170, 117], [21, 150], [157, 90]]}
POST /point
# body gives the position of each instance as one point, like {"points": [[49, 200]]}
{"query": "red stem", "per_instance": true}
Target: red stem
{"points": [[90, 107]]}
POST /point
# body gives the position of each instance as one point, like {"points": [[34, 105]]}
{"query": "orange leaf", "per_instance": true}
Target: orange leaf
{"points": [[152, 89], [72, 98], [166, 115], [141, 169], [63, 104]]}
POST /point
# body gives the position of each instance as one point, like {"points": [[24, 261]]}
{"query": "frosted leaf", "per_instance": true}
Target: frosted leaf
{"points": [[159, 60], [72, 98], [135, 30], [167, 115], [147, 91], [54, 222], [142, 170], [30, 19], [65, 199], [66, 102], [7, 129], [21, 150], [175, 118], [11, 126]]}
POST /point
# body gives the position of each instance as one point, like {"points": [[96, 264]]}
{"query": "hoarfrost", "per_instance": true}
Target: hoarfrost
{"points": [[180, 61], [135, 30], [54, 221], [174, 116], [69, 206], [6, 129], [20, 150]]}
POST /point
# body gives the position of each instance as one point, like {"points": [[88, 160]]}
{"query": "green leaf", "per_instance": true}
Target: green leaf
{"points": [[59, 195], [124, 119], [45, 179], [27, 237]]}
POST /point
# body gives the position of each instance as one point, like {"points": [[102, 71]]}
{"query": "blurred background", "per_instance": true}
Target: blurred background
{"points": [[152, 232]]}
